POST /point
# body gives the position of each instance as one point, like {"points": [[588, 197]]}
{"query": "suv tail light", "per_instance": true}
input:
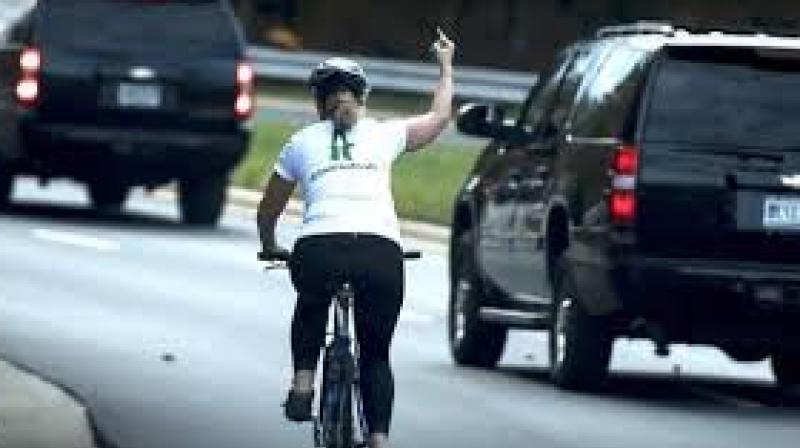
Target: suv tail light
{"points": [[245, 91], [626, 160], [30, 60], [28, 89], [624, 171]]}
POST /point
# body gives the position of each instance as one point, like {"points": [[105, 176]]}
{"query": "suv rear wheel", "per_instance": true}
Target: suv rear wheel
{"points": [[202, 199], [580, 344], [108, 196], [472, 341], [786, 367], [6, 186]]}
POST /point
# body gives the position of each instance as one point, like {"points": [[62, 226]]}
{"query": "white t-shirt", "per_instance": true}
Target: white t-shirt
{"points": [[346, 182]]}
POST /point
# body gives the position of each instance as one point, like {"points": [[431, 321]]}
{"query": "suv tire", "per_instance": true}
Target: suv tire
{"points": [[786, 367], [580, 344], [108, 196], [202, 199], [472, 342], [6, 187]]}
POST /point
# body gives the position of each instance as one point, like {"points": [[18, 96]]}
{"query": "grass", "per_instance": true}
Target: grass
{"points": [[266, 143], [424, 183]]}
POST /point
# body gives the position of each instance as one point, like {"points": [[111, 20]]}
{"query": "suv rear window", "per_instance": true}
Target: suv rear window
{"points": [[737, 97], [139, 27]]}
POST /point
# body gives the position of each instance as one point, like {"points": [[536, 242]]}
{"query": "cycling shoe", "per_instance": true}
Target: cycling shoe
{"points": [[298, 406]]}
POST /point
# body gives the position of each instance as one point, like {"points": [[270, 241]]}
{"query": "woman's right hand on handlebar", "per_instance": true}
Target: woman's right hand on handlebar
{"points": [[274, 253]]}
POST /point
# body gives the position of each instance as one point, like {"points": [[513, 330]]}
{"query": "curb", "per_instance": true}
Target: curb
{"points": [[35, 413], [428, 232]]}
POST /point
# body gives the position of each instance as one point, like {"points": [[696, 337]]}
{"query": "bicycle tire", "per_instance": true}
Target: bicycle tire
{"points": [[327, 402], [336, 400], [344, 427]]}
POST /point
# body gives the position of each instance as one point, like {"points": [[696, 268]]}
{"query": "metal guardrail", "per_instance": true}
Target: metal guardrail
{"points": [[407, 77]]}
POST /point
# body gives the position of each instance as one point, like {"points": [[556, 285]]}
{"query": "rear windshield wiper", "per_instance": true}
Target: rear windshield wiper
{"points": [[744, 154]]}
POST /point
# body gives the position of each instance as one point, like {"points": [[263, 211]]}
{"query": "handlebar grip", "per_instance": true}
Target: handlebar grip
{"points": [[412, 255], [274, 256]]}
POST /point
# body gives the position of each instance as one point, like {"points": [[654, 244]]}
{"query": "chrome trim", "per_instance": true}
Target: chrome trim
{"points": [[460, 311], [471, 184], [531, 298], [598, 141], [142, 73], [563, 315], [792, 181], [627, 183], [496, 314]]}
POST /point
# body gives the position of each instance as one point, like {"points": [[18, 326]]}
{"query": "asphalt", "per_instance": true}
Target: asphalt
{"points": [[175, 337]]}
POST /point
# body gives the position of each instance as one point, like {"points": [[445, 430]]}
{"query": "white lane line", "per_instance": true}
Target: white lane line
{"points": [[75, 239]]}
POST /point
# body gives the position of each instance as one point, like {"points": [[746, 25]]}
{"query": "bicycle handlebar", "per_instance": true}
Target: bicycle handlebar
{"points": [[412, 255], [280, 256], [274, 256]]}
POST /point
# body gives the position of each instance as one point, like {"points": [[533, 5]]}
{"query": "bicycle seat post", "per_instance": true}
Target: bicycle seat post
{"points": [[347, 292], [343, 304]]}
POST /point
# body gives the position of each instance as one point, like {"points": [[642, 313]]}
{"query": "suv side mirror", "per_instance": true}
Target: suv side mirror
{"points": [[481, 120]]}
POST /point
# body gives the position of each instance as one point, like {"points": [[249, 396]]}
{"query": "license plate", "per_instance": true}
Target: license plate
{"points": [[782, 212], [146, 96]]}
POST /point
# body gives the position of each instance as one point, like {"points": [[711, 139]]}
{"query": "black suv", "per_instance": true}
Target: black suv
{"points": [[649, 189], [124, 93]]}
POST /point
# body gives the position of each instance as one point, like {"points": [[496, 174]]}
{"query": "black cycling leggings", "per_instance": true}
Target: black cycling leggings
{"points": [[374, 266]]}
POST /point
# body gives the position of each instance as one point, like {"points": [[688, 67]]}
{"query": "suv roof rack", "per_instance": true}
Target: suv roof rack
{"points": [[662, 28]]}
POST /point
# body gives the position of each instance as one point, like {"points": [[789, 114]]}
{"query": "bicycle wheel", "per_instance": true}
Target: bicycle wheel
{"points": [[336, 405], [344, 427]]}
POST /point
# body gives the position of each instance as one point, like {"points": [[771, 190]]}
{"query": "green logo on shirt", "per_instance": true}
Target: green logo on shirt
{"points": [[340, 147]]}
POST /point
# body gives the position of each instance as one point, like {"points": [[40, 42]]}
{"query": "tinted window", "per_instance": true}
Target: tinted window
{"points": [[546, 94], [606, 103], [139, 27], [21, 31], [733, 98], [565, 100]]}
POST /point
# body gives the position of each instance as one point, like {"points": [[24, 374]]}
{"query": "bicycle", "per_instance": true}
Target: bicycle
{"points": [[335, 426]]}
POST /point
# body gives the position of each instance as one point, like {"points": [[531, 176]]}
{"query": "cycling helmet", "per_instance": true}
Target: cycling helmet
{"points": [[335, 72]]}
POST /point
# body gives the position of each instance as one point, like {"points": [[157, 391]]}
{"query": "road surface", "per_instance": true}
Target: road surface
{"points": [[175, 337]]}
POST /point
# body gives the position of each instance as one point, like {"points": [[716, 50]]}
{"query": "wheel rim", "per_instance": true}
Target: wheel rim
{"points": [[463, 287], [562, 320]]}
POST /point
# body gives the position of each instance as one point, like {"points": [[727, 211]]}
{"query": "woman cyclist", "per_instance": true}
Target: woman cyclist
{"points": [[343, 166]]}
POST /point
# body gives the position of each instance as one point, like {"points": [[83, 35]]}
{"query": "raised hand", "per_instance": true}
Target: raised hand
{"points": [[444, 48]]}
